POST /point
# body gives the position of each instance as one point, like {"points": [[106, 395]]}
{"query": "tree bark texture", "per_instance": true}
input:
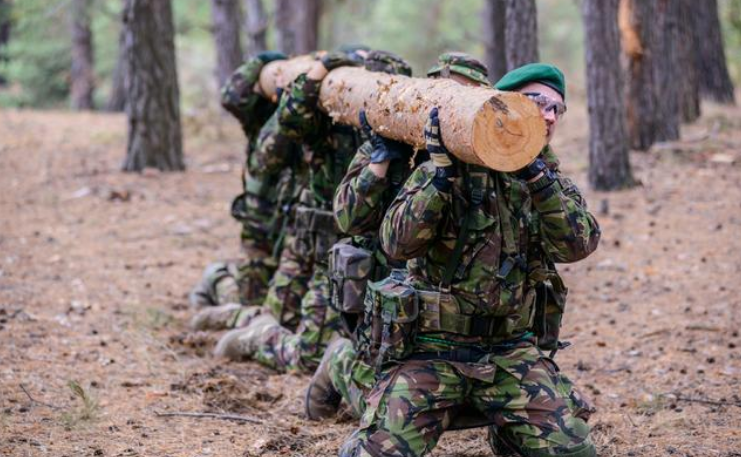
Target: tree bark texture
{"points": [[668, 73], [609, 166], [521, 33], [285, 34], [501, 130], [493, 27], [637, 19], [152, 103], [690, 82], [306, 23], [82, 74], [226, 28], [715, 82], [117, 98], [255, 26]]}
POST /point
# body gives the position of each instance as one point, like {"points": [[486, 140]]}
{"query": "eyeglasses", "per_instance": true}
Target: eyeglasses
{"points": [[547, 104]]}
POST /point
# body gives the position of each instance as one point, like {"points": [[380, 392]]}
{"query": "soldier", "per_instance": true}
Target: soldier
{"points": [[327, 148], [374, 178], [463, 329], [246, 282]]}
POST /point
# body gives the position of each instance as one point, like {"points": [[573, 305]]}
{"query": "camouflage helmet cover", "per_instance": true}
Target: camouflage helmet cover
{"points": [[462, 64], [387, 62]]}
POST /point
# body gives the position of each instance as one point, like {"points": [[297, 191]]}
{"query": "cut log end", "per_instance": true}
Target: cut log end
{"points": [[508, 132]]}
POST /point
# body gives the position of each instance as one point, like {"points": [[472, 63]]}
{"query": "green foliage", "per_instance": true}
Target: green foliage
{"points": [[731, 23]]}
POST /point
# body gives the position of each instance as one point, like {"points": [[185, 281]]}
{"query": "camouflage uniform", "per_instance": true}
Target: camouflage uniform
{"points": [[474, 346], [256, 208], [327, 148]]}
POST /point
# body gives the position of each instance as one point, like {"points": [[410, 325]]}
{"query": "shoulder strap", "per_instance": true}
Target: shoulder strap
{"points": [[475, 183]]}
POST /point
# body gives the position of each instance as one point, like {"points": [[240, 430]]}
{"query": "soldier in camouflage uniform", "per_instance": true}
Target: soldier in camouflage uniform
{"points": [[472, 237], [245, 282], [374, 178], [327, 148]]}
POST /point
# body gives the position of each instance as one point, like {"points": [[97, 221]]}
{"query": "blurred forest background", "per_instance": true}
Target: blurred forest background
{"points": [[35, 57]]}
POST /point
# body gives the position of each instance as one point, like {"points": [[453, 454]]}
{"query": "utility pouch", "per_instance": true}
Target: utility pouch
{"points": [[350, 268], [391, 312], [550, 304]]}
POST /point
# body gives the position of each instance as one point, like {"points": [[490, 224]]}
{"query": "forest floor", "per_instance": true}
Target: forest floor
{"points": [[95, 266]]}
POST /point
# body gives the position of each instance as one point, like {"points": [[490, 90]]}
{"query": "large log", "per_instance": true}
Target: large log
{"points": [[279, 73], [503, 131]]}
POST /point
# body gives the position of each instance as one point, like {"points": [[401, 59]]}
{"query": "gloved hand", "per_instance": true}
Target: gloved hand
{"points": [[532, 170], [336, 59], [445, 169], [384, 149], [270, 56]]}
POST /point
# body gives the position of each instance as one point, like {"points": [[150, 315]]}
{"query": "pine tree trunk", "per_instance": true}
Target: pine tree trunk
{"points": [[285, 35], [117, 97], [4, 34], [690, 82], [668, 73], [639, 42], [493, 26], [153, 99], [306, 17], [226, 24], [521, 33], [715, 82], [256, 26], [609, 167], [82, 75]]}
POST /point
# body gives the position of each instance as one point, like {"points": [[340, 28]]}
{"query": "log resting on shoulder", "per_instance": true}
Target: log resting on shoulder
{"points": [[503, 131]]}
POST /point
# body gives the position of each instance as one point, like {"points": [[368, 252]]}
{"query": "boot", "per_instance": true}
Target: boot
{"points": [[322, 399], [216, 317], [200, 296], [241, 343]]}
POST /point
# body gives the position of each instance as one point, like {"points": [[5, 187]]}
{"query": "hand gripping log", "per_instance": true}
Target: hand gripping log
{"points": [[503, 131]]}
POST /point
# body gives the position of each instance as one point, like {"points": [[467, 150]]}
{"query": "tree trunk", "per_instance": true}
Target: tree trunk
{"points": [[153, 99], [306, 17], [715, 82], [117, 97], [495, 56], [690, 82], [609, 167], [637, 19], [226, 23], [521, 33], [4, 34], [285, 35], [82, 76], [501, 130], [256, 26], [668, 73]]}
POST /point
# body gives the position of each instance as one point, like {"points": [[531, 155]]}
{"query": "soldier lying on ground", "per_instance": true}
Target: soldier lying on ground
{"points": [[462, 331], [373, 180]]}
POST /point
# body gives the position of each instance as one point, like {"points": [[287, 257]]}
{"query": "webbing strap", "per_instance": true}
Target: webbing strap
{"points": [[476, 197]]}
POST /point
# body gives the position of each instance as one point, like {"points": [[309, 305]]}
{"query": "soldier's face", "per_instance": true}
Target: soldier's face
{"points": [[550, 103]]}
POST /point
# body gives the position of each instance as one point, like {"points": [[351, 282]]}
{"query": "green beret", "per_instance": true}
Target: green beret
{"points": [[533, 73], [462, 64]]}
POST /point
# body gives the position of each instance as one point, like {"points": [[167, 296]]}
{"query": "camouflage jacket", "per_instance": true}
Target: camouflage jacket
{"points": [[508, 231], [327, 148]]}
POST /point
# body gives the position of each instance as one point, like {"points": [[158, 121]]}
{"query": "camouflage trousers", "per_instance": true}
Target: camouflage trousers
{"points": [[351, 377], [534, 409], [283, 350], [289, 284]]}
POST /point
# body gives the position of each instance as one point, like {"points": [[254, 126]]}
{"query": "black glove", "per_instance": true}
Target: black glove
{"points": [[445, 169], [269, 56], [384, 149], [536, 167], [337, 59]]}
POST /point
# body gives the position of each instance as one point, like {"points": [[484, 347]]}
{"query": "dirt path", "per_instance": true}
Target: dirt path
{"points": [[96, 264]]}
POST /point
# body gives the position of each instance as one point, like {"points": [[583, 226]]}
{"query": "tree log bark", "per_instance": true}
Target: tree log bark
{"points": [[667, 66], [715, 82], [226, 23], [609, 167], [493, 27], [256, 27], [82, 76], [690, 81], [521, 33], [153, 97]]}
